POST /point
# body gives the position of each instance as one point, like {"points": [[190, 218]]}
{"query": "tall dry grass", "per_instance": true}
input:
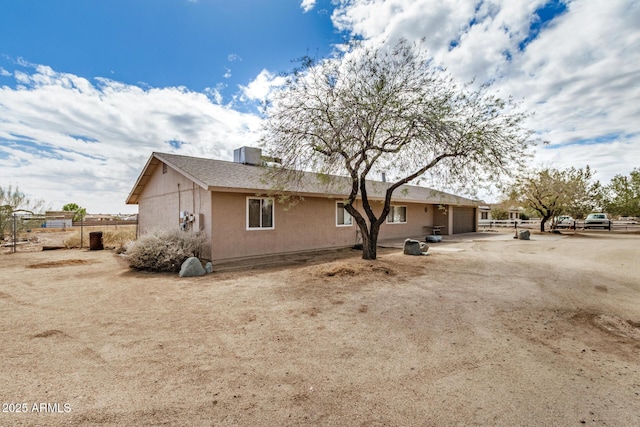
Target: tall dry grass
{"points": [[111, 239]]}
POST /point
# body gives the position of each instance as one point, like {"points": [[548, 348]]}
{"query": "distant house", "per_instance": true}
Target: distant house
{"points": [[484, 213], [58, 219], [230, 202], [514, 213]]}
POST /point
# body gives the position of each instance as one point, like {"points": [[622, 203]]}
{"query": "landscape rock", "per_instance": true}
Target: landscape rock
{"points": [[412, 247], [192, 267], [432, 238], [524, 235], [208, 268], [423, 247]]}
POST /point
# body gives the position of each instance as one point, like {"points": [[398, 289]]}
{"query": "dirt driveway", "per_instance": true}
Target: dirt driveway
{"points": [[485, 332]]}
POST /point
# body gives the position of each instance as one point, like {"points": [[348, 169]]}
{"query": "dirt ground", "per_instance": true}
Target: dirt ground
{"points": [[489, 331]]}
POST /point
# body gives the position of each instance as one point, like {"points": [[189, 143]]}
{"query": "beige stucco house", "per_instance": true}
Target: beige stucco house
{"points": [[230, 202], [484, 213]]}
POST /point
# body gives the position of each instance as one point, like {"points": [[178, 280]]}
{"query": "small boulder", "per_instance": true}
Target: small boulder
{"points": [[524, 234], [412, 247], [432, 238], [208, 268], [192, 267], [423, 247]]}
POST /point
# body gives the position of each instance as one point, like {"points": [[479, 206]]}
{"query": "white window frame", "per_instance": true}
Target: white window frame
{"points": [[346, 215], [273, 213], [391, 214]]}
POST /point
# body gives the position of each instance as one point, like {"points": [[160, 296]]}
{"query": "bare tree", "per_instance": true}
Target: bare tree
{"points": [[11, 200], [389, 109]]}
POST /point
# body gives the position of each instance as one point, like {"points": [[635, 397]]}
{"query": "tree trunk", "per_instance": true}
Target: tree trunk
{"points": [[369, 232], [370, 243], [544, 220]]}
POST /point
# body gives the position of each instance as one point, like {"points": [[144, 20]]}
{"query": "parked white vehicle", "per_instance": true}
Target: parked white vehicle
{"points": [[564, 221], [597, 220]]}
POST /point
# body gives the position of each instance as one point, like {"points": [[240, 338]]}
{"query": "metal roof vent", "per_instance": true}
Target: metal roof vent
{"points": [[248, 156]]}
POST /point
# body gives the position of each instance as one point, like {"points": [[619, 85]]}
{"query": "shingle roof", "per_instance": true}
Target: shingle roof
{"points": [[220, 175]]}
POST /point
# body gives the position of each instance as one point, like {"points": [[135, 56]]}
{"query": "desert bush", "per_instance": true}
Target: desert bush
{"points": [[118, 238], [110, 239], [164, 250]]}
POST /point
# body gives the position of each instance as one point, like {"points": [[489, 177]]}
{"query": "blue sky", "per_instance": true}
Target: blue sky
{"points": [[89, 88], [198, 44]]}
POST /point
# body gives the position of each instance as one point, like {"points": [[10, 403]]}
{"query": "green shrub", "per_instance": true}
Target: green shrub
{"points": [[499, 214], [164, 250]]}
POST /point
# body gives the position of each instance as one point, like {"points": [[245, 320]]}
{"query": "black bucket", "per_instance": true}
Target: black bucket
{"points": [[95, 241]]}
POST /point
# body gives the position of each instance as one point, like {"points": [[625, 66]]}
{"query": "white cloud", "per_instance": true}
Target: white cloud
{"points": [[66, 139], [214, 94], [261, 86], [580, 74], [307, 5]]}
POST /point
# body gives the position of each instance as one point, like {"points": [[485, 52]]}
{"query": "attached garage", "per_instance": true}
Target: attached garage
{"points": [[464, 220]]}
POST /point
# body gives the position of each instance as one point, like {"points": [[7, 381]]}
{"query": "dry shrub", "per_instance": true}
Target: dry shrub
{"points": [[164, 250], [118, 238], [354, 269], [73, 241], [113, 239]]}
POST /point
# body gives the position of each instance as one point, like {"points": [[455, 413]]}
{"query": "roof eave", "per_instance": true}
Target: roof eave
{"points": [[149, 168], [143, 179]]}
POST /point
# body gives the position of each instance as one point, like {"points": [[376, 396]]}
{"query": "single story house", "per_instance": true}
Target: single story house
{"points": [[514, 213], [484, 213], [485, 216], [58, 219], [230, 202]]}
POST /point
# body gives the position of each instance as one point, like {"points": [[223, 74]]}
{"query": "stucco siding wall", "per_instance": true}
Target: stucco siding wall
{"points": [[442, 218], [417, 219], [203, 218], [309, 225], [165, 195]]}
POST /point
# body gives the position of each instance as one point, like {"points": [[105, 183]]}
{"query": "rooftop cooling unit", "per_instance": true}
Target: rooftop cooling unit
{"points": [[248, 156]]}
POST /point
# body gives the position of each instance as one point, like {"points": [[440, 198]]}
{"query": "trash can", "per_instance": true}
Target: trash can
{"points": [[95, 241]]}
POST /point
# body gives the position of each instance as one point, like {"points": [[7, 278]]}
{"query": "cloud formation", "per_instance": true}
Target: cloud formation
{"points": [[260, 88], [68, 139], [563, 59], [307, 5]]}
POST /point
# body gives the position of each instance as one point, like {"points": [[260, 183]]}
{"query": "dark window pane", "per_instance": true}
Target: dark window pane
{"points": [[267, 213], [254, 213], [402, 214]]}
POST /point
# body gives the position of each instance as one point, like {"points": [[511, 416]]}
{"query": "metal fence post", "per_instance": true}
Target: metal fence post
{"points": [[15, 233]]}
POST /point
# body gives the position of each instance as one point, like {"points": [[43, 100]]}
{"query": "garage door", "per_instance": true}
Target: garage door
{"points": [[464, 220]]}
